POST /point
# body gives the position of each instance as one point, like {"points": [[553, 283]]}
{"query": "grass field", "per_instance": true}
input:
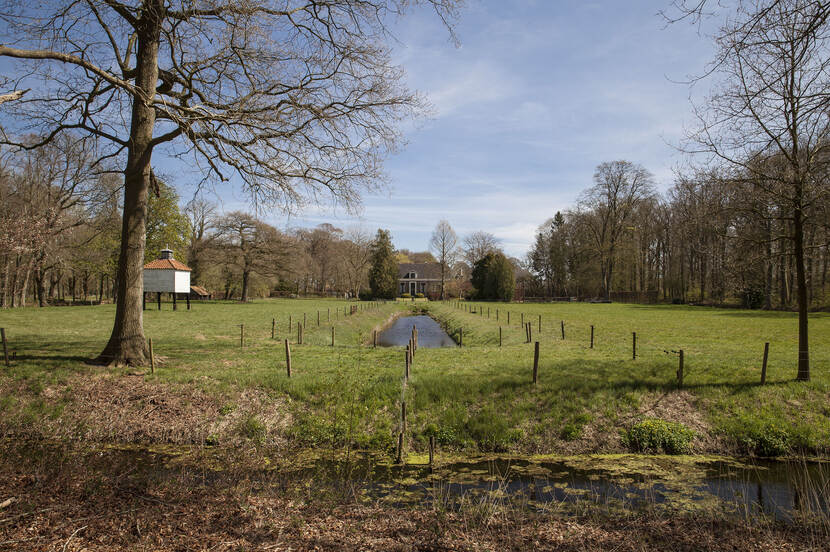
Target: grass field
{"points": [[476, 398]]}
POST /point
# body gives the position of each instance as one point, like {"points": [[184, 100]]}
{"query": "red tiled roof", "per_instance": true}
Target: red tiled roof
{"points": [[199, 290], [166, 264]]}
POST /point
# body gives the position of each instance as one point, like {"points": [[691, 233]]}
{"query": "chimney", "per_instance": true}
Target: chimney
{"points": [[166, 254]]}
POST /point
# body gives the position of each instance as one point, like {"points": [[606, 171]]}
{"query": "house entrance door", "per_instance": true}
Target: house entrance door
{"points": [[412, 289]]}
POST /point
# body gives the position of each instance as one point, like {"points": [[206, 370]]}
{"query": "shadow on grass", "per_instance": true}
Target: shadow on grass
{"points": [[66, 358], [591, 377]]}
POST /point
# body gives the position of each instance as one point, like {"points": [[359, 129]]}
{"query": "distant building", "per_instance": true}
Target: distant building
{"points": [[414, 278], [200, 293], [166, 275]]}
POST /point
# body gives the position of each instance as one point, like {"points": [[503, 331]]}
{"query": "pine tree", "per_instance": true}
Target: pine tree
{"points": [[383, 276]]}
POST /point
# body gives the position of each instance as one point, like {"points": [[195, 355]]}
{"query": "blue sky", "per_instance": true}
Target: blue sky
{"points": [[536, 96], [538, 93]]}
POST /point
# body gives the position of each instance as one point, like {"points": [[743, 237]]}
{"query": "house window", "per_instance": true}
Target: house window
{"points": [[410, 276]]}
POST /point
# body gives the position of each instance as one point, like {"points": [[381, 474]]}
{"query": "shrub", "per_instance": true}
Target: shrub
{"points": [[656, 435], [491, 431], [419, 295], [571, 432], [405, 295], [766, 438], [443, 435]]}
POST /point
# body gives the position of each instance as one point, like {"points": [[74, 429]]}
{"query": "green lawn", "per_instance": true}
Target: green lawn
{"points": [[479, 397]]}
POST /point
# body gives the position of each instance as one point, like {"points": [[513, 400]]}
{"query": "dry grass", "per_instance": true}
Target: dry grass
{"points": [[104, 407]]}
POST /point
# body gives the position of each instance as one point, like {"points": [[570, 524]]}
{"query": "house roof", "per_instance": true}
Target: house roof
{"points": [[166, 264], [424, 271]]}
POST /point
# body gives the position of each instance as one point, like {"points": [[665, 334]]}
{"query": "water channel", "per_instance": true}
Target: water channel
{"points": [[430, 334], [772, 488]]}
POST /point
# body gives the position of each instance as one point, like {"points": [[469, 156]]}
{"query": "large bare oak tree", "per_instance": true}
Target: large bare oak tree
{"points": [[295, 99]]}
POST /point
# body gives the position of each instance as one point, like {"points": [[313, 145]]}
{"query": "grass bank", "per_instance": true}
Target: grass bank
{"points": [[476, 398]]}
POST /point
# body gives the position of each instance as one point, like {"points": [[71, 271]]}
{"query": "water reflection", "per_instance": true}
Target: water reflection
{"points": [[777, 489], [430, 334]]}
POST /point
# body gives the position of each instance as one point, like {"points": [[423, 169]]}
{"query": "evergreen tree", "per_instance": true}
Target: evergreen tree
{"points": [[493, 278], [383, 276]]}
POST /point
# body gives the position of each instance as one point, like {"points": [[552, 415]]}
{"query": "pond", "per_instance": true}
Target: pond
{"points": [[630, 482], [783, 490], [430, 334]]}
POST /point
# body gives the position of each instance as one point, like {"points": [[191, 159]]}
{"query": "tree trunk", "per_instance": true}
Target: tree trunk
{"points": [[25, 287], [40, 286], [246, 276], [801, 290], [127, 344]]}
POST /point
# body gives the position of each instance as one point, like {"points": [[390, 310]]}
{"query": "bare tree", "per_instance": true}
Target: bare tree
{"points": [[478, 244], [444, 244], [251, 246], [769, 118], [201, 214], [298, 98], [358, 257], [608, 206]]}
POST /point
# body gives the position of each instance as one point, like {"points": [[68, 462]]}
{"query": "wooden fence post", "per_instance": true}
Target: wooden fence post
{"points": [[287, 358], [318, 319], [399, 459], [273, 328], [152, 356], [508, 318], [562, 325], [680, 368], [499, 336], [242, 335], [592, 336], [374, 338], [540, 323], [764, 365], [328, 314], [523, 319], [431, 450], [158, 299], [497, 315], [188, 300], [5, 347], [633, 345], [535, 363], [332, 336], [406, 364], [299, 333]]}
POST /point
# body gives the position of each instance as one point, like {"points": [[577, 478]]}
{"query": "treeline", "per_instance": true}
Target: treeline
{"points": [[60, 228], [715, 236]]}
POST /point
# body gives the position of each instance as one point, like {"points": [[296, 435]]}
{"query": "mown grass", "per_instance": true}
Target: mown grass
{"points": [[478, 397]]}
